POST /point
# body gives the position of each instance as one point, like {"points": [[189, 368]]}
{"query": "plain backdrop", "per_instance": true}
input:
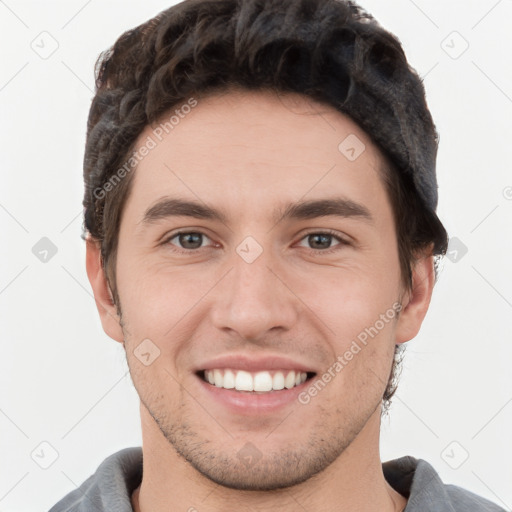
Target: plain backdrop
{"points": [[66, 399]]}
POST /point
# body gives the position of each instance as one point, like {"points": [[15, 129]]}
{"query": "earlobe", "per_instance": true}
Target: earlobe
{"points": [[102, 294], [417, 299]]}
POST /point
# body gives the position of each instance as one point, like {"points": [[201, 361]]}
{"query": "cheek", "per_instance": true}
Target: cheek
{"points": [[351, 301], [165, 307], [359, 371], [156, 299], [157, 384], [359, 313]]}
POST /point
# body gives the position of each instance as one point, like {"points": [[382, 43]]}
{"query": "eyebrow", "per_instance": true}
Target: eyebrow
{"points": [[340, 207]]}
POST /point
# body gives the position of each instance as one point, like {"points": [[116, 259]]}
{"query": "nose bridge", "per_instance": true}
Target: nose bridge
{"points": [[252, 299]]}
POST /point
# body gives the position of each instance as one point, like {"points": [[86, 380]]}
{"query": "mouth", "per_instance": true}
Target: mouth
{"points": [[255, 383], [252, 385]]}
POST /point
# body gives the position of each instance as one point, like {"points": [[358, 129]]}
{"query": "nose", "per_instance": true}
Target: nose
{"points": [[255, 298]]}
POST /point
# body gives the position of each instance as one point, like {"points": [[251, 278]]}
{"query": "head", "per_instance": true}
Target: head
{"points": [[244, 106]]}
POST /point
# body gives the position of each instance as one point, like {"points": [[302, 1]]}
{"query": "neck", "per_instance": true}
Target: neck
{"points": [[354, 481]]}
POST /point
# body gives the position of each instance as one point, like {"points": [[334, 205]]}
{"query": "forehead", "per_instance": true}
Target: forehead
{"points": [[249, 148]]}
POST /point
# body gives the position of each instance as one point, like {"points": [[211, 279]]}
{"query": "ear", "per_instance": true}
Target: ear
{"points": [[416, 301], [102, 294]]}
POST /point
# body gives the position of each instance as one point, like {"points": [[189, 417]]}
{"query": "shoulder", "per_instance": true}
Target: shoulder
{"points": [[420, 483], [463, 500], [109, 488]]}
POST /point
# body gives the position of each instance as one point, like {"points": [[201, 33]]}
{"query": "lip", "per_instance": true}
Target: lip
{"points": [[250, 403], [253, 363]]}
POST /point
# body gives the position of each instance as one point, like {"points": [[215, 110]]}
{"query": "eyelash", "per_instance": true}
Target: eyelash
{"points": [[314, 252]]}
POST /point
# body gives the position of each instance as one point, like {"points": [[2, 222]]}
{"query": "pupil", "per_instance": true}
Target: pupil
{"points": [[325, 238], [189, 238]]}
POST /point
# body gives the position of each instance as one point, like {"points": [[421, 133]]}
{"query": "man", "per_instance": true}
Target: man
{"points": [[261, 238]]}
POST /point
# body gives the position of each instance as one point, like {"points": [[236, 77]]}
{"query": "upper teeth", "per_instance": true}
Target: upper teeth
{"points": [[258, 381]]}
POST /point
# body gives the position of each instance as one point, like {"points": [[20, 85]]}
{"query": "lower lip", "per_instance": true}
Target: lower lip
{"points": [[248, 402]]}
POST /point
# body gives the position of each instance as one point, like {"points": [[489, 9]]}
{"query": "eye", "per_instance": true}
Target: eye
{"points": [[321, 241], [189, 240]]}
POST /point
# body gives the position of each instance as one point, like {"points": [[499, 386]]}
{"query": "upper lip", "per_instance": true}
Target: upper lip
{"points": [[254, 363]]}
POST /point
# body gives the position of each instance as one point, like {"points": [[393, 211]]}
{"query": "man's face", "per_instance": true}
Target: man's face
{"points": [[258, 291]]}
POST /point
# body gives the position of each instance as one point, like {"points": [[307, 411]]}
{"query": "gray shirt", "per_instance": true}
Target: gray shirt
{"points": [[110, 488]]}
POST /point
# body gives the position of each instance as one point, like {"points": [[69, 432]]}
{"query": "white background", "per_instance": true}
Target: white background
{"points": [[64, 382]]}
